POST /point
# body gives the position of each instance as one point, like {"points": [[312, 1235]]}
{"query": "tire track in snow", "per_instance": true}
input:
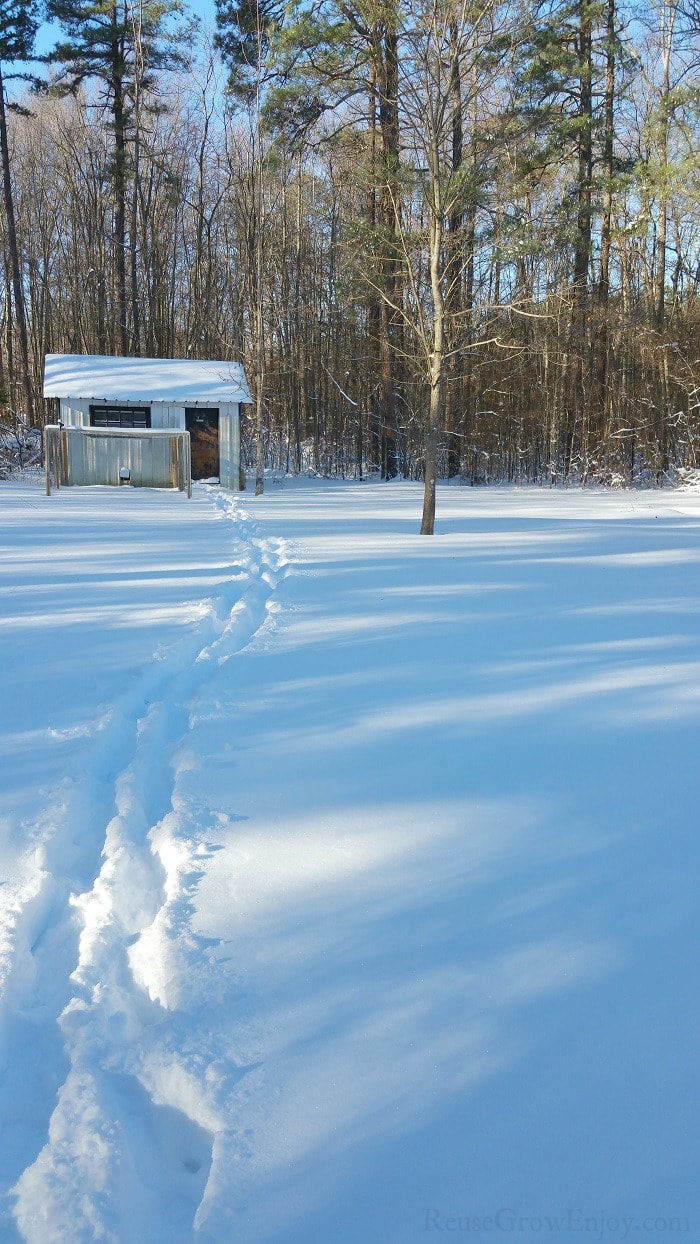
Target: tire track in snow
{"points": [[124, 1133]]}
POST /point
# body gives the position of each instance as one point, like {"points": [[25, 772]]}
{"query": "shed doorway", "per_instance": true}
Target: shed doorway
{"points": [[202, 423]]}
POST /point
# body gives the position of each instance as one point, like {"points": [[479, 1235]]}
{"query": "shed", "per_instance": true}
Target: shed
{"points": [[122, 396]]}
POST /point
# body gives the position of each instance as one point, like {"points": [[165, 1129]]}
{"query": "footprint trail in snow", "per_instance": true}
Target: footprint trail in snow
{"points": [[141, 1108]]}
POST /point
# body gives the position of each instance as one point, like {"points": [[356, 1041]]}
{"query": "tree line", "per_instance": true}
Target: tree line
{"points": [[446, 237]]}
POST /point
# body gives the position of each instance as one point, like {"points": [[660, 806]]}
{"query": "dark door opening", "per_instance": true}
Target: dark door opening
{"points": [[203, 427]]}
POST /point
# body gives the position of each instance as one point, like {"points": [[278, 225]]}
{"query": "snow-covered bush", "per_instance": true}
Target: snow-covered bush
{"points": [[20, 448]]}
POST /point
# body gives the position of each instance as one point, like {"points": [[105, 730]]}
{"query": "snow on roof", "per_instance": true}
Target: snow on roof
{"points": [[106, 378]]}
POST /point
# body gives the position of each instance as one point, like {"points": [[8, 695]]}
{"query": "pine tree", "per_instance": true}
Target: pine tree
{"points": [[561, 79], [243, 32], [121, 44], [345, 52], [19, 22]]}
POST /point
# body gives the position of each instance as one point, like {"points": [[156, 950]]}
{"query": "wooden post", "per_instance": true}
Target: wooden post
{"points": [[56, 456], [47, 462], [61, 455]]}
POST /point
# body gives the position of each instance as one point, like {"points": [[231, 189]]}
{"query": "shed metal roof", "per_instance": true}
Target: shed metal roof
{"points": [[106, 378]]}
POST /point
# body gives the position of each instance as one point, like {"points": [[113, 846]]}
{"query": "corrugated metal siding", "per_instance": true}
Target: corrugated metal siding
{"points": [[165, 415], [92, 456], [230, 447], [75, 414]]}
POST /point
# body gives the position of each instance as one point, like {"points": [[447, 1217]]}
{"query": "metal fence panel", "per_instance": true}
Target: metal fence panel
{"points": [[144, 459]]}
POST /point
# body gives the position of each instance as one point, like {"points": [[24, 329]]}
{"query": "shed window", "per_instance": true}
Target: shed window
{"points": [[120, 416]]}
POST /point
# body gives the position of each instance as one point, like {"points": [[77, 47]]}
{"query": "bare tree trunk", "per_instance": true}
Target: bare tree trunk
{"points": [[453, 310], [600, 395], [437, 352], [120, 178], [388, 87], [582, 252], [668, 17], [18, 293], [431, 446], [136, 20], [374, 308], [259, 305]]}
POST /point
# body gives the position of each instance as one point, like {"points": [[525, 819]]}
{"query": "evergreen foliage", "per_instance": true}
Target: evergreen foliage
{"points": [[19, 22], [123, 45], [244, 28]]}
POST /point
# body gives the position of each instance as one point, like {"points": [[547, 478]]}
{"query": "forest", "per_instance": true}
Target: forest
{"points": [[446, 238]]}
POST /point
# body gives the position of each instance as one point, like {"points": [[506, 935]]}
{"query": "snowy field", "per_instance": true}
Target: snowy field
{"points": [[349, 877]]}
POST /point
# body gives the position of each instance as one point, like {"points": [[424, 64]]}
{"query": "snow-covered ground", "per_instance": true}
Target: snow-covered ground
{"points": [[349, 877]]}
